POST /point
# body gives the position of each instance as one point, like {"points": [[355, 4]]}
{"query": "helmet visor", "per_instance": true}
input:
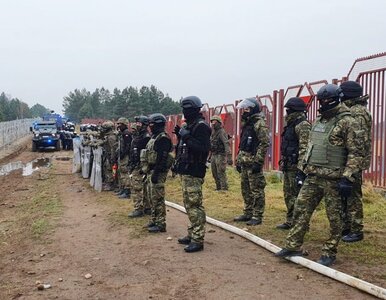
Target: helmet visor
{"points": [[246, 103]]}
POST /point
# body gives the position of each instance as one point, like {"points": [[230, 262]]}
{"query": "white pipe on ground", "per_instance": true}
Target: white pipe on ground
{"points": [[334, 274]]}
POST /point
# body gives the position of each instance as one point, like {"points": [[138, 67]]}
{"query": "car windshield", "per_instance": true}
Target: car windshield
{"points": [[46, 126]]}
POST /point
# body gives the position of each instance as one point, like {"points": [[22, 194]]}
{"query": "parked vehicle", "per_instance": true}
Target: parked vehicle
{"points": [[46, 136]]}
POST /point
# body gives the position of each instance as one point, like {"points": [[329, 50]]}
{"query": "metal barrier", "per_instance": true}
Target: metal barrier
{"points": [[13, 130]]}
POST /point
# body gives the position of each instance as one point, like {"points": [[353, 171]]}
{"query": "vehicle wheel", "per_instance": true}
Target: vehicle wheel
{"points": [[34, 147], [58, 145]]}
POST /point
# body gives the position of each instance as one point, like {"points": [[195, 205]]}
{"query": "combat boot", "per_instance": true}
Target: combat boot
{"points": [[185, 240], [119, 192], [353, 237], [284, 226], [326, 260], [136, 214], [254, 222], [288, 253], [242, 218], [147, 211], [156, 229], [194, 247], [124, 194]]}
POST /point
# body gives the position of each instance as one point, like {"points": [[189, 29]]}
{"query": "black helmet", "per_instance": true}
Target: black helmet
{"points": [[329, 91], [351, 90], [191, 102], [142, 119], [329, 96], [296, 104], [157, 118]]}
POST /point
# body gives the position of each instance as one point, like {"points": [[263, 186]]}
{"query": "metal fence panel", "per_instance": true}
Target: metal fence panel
{"points": [[11, 131]]}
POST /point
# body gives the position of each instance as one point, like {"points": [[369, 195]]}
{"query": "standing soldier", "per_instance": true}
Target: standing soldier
{"points": [[331, 160], [158, 160], [254, 142], [220, 153], [192, 153], [110, 158], [353, 218], [125, 138], [139, 193], [294, 140]]}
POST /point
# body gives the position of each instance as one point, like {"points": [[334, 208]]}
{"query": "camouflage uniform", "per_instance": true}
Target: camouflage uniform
{"points": [[220, 151], [192, 153], [353, 219], [124, 147], [297, 129], [332, 154], [110, 146], [254, 142], [138, 185], [158, 164]]}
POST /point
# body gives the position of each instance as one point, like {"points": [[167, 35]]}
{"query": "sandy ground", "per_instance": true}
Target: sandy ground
{"points": [[126, 262]]}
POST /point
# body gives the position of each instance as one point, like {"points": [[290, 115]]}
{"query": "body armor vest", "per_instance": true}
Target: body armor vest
{"points": [[151, 154], [138, 143], [320, 152], [290, 143], [248, 139]]}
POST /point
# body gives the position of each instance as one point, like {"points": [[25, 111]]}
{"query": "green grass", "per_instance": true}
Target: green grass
{"points": [[225, 205]]}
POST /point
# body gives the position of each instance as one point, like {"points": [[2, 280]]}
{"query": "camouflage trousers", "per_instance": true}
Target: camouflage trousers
{"points": [[123, 175], [312, 192], [192, 195], [218, 166], [107, 171], [353, 218], [156, 193], [139, 191], [290, 191], [252, 189]]}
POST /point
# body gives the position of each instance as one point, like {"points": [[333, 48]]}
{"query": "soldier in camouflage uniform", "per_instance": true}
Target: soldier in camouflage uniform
{"points": [[192, 153], [254, 142], [158, 160], [138, 185], [110, 158], [220, 153], [125, 138], [294, 140], [331, 160], [353, 218]]}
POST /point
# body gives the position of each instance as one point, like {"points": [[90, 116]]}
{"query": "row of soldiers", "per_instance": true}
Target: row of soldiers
{"points": [[138, 161], [320, 161], [324, 160]]}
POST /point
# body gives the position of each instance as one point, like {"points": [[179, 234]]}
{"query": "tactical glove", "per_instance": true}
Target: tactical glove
{"points": [[300, 178], [177, 130], [345, 187], [256, 168]]}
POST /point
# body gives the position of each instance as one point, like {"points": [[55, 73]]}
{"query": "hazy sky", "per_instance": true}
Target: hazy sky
{"points": [[219, 50]]}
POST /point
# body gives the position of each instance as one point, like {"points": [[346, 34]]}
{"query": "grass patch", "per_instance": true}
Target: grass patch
{"points": [[225, 205]]}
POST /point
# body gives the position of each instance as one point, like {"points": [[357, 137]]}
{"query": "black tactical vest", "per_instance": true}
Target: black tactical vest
{"points": [[290, 142], [248, 139], [139, 142]]}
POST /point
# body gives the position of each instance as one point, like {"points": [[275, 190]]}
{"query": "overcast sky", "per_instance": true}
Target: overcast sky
{"points": [[219, 50]]}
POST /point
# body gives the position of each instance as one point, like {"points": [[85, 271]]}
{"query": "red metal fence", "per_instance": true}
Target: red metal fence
{"points": [[368, 71]]}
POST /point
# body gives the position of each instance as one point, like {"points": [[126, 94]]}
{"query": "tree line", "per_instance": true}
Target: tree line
{"points": [[128, 102], [13, 109]]}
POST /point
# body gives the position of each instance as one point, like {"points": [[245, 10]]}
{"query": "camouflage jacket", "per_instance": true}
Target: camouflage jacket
{"points": [[343, 135], [262, 134], [219, 143], [110, 145], [362, 115]]}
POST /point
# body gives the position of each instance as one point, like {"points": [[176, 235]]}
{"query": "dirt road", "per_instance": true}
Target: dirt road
{"points": [[86, 232]]}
